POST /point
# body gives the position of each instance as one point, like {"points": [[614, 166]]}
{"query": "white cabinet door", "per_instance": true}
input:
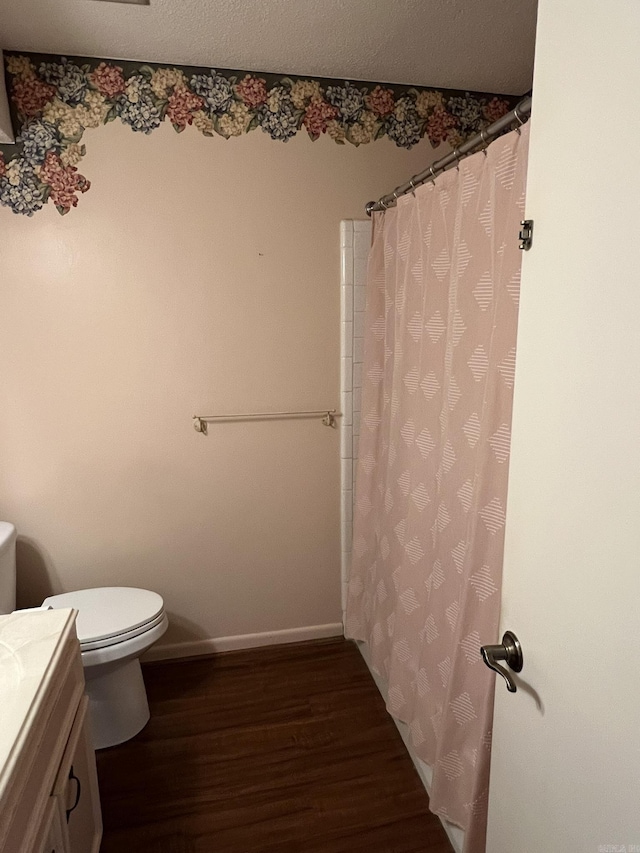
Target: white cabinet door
{"points": [[565, 772], [77, 788]]}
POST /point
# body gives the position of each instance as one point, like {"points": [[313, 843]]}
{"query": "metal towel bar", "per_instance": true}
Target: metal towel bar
{"points": [[328, 417]]}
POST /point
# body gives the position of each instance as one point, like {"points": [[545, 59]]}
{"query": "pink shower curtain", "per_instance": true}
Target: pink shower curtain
{"points": [[431, 488]]}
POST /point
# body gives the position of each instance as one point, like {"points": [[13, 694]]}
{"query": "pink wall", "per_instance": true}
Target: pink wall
{"points": [[198, 275]]}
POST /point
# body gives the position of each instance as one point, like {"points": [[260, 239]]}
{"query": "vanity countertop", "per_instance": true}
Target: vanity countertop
{"points": [[31, 646]]}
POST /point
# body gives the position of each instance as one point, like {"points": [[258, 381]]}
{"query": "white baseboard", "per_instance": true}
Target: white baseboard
{"points": [[454, 833], [194, 648]]}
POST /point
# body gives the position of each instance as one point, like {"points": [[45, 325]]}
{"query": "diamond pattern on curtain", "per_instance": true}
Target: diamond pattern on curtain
{"points": [[431, 489]]}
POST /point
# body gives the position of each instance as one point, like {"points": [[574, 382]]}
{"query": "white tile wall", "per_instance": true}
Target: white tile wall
{"points": [[355, 239]]}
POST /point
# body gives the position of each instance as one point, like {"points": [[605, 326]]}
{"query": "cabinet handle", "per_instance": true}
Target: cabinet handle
{"points": [[78, 791]]}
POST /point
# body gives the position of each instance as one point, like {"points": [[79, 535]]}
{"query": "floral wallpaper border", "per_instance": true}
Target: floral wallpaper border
{"points": [[55, 99]]}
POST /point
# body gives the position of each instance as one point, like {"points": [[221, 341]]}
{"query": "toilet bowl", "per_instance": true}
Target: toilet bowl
{"points": [[115, 626]]}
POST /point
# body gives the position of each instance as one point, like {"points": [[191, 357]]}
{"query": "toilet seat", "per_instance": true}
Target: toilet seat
{"points": [[86, 645], [116, 653], [111, 615]]}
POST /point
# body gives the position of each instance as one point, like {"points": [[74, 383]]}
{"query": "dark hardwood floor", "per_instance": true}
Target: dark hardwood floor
{"points": [[287, 749]]}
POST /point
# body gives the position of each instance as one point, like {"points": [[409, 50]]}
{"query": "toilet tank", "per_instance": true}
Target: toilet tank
{"points": [[7, 567]]}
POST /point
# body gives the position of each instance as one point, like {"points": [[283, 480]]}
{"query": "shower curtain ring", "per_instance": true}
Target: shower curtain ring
{"points": [[412, 185], [456, 154], [518, 119], [433, 175], [486, 144], [383, 204]]}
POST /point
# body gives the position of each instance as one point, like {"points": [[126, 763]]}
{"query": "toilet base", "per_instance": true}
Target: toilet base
{"points": [[118, 705]]}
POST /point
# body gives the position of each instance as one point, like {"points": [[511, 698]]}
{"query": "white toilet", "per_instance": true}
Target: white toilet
{"points": [[115, 626]]}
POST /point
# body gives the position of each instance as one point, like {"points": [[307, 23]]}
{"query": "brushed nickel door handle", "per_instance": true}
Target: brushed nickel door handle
{"points": [[508, 651]]}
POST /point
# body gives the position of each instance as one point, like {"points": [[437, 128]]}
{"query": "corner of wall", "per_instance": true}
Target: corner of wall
{"points": [[6, 130]]}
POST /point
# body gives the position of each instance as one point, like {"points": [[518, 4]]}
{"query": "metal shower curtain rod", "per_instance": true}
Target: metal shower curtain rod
{"points": [[520, 114]]}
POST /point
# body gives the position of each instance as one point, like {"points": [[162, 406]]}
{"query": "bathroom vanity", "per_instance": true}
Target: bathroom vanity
{"points": [[49, 800]]}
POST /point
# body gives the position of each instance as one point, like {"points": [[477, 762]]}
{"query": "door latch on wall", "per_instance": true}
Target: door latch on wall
{"points": [[526, 234]]}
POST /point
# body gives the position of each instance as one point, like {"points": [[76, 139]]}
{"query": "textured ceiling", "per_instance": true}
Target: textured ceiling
{"points": [[459, 44]]}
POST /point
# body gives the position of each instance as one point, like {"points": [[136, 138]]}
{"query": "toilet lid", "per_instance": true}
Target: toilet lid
{"points": [[107, 611]]}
